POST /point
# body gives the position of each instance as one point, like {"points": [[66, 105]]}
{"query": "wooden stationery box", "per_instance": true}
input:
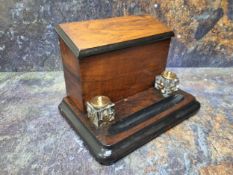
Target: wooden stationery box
{"points": [[116, 57], [119, 58]]}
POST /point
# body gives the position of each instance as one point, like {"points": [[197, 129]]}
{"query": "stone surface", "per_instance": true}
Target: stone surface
{"points": [[230, 9], [203, 29], [207, 22], [28, 42], [223, 169], [27, 37], [35, 139]]}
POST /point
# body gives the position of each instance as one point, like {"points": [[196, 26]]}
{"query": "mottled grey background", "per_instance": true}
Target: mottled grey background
{"points": [[28, 42], [36, 140]]}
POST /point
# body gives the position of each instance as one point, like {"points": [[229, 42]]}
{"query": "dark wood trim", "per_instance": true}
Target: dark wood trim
{"points": [[108, 48], [126, 44], [144, 114], [109, 154], [67, 40]]}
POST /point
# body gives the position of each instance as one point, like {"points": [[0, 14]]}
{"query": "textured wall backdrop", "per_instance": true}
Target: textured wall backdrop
{"points": [[203, 28]]}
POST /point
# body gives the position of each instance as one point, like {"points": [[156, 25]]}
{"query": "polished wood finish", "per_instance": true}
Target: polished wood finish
{"points": [[112, 74], [117, 73], [88, 35], [100, 142], [72, 75], [119, 58], [126, 107]]}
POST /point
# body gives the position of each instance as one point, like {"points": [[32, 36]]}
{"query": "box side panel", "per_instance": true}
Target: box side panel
{"points": [[72, 75], [122, 73]]}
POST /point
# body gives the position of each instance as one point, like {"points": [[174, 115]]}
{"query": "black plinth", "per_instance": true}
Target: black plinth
{"points": [[106, 153]]}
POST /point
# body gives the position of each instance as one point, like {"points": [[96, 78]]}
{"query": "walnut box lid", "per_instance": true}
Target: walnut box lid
{"points": [[93, 37]]}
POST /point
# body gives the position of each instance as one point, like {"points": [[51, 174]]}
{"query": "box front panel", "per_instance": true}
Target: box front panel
{"points": [[122, 73]]}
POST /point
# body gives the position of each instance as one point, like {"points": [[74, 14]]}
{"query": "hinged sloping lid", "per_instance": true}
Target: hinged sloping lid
{"points": [[98, 36]]}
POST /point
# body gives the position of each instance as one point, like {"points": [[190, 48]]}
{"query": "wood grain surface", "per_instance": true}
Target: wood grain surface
{"points": [[122, 73], [117, 73], [126, 107], [92, 34], [71, 70]]}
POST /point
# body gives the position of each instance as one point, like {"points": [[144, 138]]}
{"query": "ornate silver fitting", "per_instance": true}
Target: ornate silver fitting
{"points": [[167, 83], [101, 111]]}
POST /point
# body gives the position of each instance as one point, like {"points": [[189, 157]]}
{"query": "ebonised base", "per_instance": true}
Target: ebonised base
{"points": [[109, 145]]}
